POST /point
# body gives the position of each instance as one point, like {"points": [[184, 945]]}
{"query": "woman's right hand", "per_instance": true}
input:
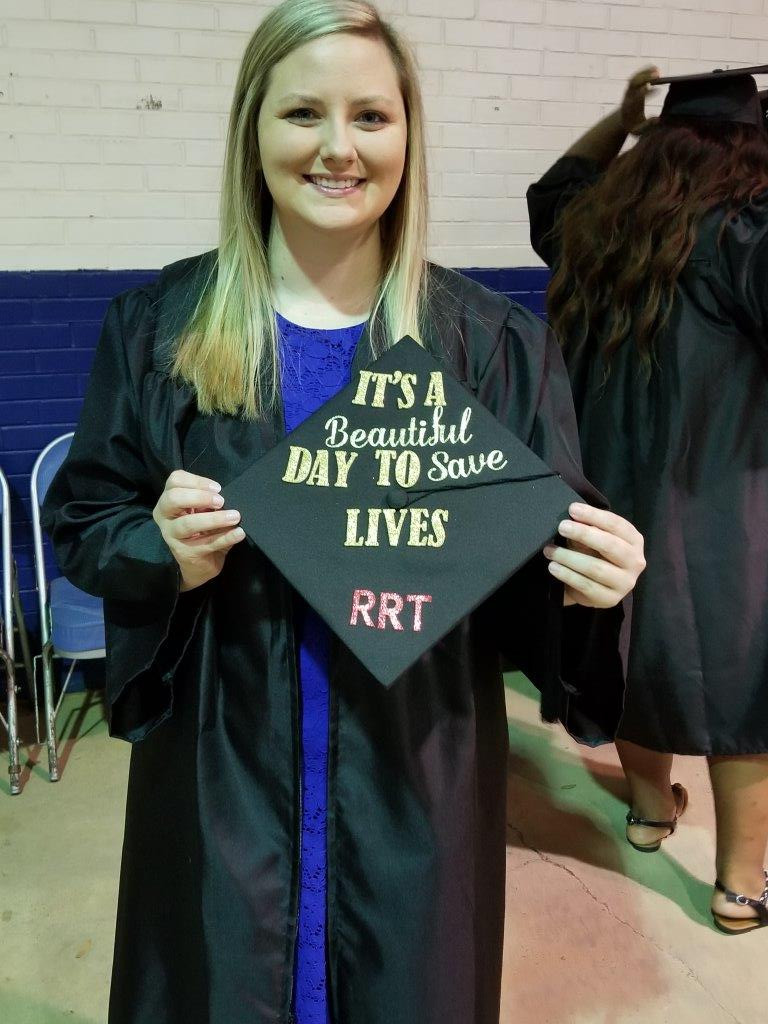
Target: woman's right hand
{"points": [[195, 527]]}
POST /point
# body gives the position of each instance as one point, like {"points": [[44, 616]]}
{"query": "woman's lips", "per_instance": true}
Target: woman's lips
{"points": [[336, 188]]}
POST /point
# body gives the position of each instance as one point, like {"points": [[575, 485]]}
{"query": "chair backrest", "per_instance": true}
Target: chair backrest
{"points": [[6, 567], [44, 470]]}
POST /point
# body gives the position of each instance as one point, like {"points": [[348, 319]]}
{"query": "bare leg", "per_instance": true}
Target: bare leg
{"points": [[649, 776], [740, 788]]}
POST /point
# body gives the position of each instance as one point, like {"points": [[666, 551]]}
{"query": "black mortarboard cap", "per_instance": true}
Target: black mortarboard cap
{"points": [[715, 96], [398, 507], [764, 105]]}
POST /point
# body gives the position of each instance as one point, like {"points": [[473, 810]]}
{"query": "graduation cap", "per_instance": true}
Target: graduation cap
{"points": [[764, 105], [398, 507], [715, 96]]}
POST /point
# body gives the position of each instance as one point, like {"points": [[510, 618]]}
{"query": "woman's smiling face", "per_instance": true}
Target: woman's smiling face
{"points": [[332, 133]]}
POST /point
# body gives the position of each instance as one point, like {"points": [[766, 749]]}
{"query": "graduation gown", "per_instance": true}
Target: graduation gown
{"points": [[205, 686], [684, 457]]}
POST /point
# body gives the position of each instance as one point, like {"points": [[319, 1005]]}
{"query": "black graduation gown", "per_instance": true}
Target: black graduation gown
{"points": [[205, 685], [685, 458]]}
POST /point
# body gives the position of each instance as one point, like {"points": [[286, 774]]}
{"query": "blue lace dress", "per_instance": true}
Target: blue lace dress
{"points": [[315, 365]]}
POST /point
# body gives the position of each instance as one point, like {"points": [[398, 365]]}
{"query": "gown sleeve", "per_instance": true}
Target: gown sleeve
{"points": [[548, 197], [570, 654], [98, 513]]}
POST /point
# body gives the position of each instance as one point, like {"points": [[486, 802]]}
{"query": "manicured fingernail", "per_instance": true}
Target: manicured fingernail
{"points": [[232, 515], [214, 487], [239, 533], [578, 510], [549, 551], [555, 568], [217, 501], [567, 528]]}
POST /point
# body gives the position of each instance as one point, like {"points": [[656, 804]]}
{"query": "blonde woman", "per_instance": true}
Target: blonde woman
{"points": [[302, 844]]}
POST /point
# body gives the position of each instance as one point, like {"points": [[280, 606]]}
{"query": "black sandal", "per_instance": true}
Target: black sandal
{"points": [[740, 925], [681, 803]]}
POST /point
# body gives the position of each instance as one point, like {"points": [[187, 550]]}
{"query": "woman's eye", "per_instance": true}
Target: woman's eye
{"points": [[372, 118], [302, 114]]}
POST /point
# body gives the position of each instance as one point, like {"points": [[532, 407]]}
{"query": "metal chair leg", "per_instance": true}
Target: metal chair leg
{"points": [[14, 767], [21, 627], [50, 713]]}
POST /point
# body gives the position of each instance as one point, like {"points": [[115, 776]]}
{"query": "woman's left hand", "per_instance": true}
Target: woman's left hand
{"points": [[603, 560]]}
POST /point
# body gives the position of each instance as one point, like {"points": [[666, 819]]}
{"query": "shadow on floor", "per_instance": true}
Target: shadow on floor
{"points": [[573, 806]]}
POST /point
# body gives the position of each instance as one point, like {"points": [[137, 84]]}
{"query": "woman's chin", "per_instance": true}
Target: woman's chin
{"points": [[336, 221]]}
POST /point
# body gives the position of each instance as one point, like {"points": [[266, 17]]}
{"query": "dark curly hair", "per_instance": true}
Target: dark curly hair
{"points": [[624, 241]]}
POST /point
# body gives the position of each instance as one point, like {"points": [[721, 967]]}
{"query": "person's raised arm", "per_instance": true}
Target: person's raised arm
{"points": [[603, 141], [582, 165]]}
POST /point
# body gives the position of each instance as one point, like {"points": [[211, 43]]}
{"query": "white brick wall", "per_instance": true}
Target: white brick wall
{"points": [[113, 112]]}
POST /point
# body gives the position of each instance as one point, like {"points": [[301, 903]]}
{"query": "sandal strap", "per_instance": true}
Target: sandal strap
{"points": [[632, 819], [681, 798], [760, 905]]}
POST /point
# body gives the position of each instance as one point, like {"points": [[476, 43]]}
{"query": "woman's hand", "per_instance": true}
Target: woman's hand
{"points": [[633, 116], [603, 142], [195, 527], [603, 560]]}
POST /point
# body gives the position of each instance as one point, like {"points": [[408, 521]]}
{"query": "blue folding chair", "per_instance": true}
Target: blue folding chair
{"points": [[71, 621]]}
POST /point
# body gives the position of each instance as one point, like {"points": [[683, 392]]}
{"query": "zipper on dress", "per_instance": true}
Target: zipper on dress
{"points": [[330, 791], [289, 618], [287, 601]]}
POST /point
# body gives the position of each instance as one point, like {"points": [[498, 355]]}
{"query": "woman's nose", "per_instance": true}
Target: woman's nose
{"points": [[337, 145]]}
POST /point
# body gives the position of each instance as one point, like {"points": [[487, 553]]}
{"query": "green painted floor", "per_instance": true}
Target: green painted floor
{"points": [[596, 933]]}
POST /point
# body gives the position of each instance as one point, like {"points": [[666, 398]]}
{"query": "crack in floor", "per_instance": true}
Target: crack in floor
{"points": [[512, 868], [606, 906]]}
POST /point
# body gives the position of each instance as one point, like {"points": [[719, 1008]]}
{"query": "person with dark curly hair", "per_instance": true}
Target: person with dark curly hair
{"points": [[659, 296]]}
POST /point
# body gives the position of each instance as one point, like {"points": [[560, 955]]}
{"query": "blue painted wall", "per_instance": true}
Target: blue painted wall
{"points": [[49, 326]]}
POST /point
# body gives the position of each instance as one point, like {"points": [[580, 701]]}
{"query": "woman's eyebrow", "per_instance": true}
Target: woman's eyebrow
{"points": [[362, 101], [295, 97], [370, 101]]}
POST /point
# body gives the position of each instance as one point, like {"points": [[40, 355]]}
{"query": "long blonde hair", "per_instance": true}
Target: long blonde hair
{"points": [[228, 351]]}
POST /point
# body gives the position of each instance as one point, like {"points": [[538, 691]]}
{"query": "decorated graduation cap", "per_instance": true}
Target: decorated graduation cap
{"points": [[730, 95], [398, 507]]}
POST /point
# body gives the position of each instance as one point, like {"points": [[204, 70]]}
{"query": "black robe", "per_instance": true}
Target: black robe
{"points": [[684, 456], [205, 684]]}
